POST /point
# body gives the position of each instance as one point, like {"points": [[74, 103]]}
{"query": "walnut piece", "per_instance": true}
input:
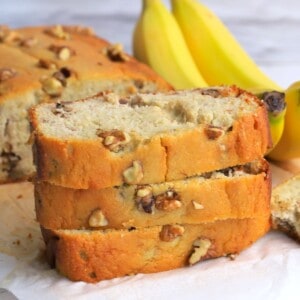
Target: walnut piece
{"points": [[47, 64], [197, 205], [62, 52], [97, 219], [213, 132], [79, 30], [52, 86], [10, 36], [168, 201], [114, 140], [200, 250], [7, 73], [58, 32], [144, 198], [170, 232], [134, 174], [28, 42], [115, 53]]}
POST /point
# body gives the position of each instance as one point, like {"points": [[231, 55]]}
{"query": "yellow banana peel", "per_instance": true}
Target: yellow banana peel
{"points": [[218, 55], [158, 42]]}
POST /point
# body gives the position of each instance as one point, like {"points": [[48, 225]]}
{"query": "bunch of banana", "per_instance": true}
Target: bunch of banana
{"points": [[159, 42], [289, 144], [216, 52]]}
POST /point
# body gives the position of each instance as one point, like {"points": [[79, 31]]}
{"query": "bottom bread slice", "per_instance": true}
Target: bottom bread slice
{"points": [[91, 256]]}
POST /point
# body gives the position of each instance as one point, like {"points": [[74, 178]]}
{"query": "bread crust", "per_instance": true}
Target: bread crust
{"points": [[92, 256], [205, 200], [88, 70], [165, 157]]}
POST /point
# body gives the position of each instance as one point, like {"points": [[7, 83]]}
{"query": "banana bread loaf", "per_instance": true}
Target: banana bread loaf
{"points": [[41, 64], [109, 140], [239, 192], [285, 205], [104, 254]]}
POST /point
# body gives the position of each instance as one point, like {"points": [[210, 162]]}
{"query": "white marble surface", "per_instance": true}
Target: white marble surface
{"points": [[269, 30]]}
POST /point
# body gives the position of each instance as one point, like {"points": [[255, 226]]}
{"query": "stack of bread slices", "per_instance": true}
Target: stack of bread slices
{"points": [[150, 182]]}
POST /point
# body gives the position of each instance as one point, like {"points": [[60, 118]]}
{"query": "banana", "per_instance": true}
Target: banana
{"points": [[276, 107], [218, 55], [158, 42], [289, 144]]}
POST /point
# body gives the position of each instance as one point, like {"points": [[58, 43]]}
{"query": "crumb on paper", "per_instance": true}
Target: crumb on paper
{"points": [[20, 196], [232, 256]]}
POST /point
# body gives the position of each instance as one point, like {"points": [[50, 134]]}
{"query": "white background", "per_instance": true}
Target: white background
{"points": [[269, 30]]}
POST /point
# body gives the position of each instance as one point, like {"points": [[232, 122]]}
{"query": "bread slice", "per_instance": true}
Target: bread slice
{"points": [[238, 192], [42, 64], [285, 205], [109, 140], [96, 255]]}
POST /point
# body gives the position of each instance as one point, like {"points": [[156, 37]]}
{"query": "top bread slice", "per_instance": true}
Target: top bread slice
{"points": [[285, 207], [42, 64], [110, 140]]}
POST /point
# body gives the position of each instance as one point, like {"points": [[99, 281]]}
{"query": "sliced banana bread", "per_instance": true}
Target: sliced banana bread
{"points": [[239, 192], [109, 140]]}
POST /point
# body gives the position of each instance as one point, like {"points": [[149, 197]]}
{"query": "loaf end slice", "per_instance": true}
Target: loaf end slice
{"points": [[44, 64]]}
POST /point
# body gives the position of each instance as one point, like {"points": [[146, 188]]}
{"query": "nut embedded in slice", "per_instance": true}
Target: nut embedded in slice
{"points": [[197, 205], [200, 250], [213, 132], [7, 73], [97, 219], [114, 140], [134, 174], [171, 232], [168, 201], [144, 199]]}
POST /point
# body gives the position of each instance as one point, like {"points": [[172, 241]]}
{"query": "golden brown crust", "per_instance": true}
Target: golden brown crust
{"points": [[167, 157], [92, 256], [199, 201], [87, 62], [70, 64]]}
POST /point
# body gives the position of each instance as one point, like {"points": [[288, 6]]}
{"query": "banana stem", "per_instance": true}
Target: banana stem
{"points": [[275, 102]]}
